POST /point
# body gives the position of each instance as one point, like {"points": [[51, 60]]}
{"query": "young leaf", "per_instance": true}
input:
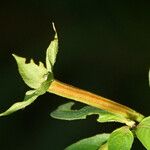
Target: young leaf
{"points": [[143, 132], [29, 98], [32, 74], [51, 52], [92, 143], [20, 105], [121, 139], [65, 112]]}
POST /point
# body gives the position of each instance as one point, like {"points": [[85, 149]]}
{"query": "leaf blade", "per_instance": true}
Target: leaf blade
{"points": [[51, 52], [121, 139], [20, 105], [29, 98], [104, 147], [92, 143], [143, 132], [65, 112], [32, 74]]}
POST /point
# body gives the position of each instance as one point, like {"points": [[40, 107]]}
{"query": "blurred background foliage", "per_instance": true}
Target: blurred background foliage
{"points": [[104, 47]]}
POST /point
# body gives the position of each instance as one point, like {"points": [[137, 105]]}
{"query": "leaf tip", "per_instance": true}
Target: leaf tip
{"points": [[18, 58], [54, 28], [14, 55]]}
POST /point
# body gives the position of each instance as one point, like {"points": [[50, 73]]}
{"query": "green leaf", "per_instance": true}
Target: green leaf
{"points": [[104, 147], [65, 112], [20, 105], [121, 139], [32, 74], [29, 98], [52, 52], [143, 132], [92, 143]]}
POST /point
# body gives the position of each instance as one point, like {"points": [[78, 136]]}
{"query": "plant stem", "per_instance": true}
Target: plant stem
{"points": [[71, 92]]}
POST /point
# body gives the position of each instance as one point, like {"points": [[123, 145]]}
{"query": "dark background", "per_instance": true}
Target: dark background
{"points": [[104, 47]]}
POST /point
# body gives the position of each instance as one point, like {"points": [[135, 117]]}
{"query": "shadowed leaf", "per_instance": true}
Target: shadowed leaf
{"points": [[65, 112]]}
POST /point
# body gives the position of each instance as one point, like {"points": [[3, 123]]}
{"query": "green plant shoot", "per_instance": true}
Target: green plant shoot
{"points": [[41, 80]]}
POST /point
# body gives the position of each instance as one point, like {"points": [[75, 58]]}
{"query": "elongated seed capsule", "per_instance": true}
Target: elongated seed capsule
{"points": [[71, 92]]}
